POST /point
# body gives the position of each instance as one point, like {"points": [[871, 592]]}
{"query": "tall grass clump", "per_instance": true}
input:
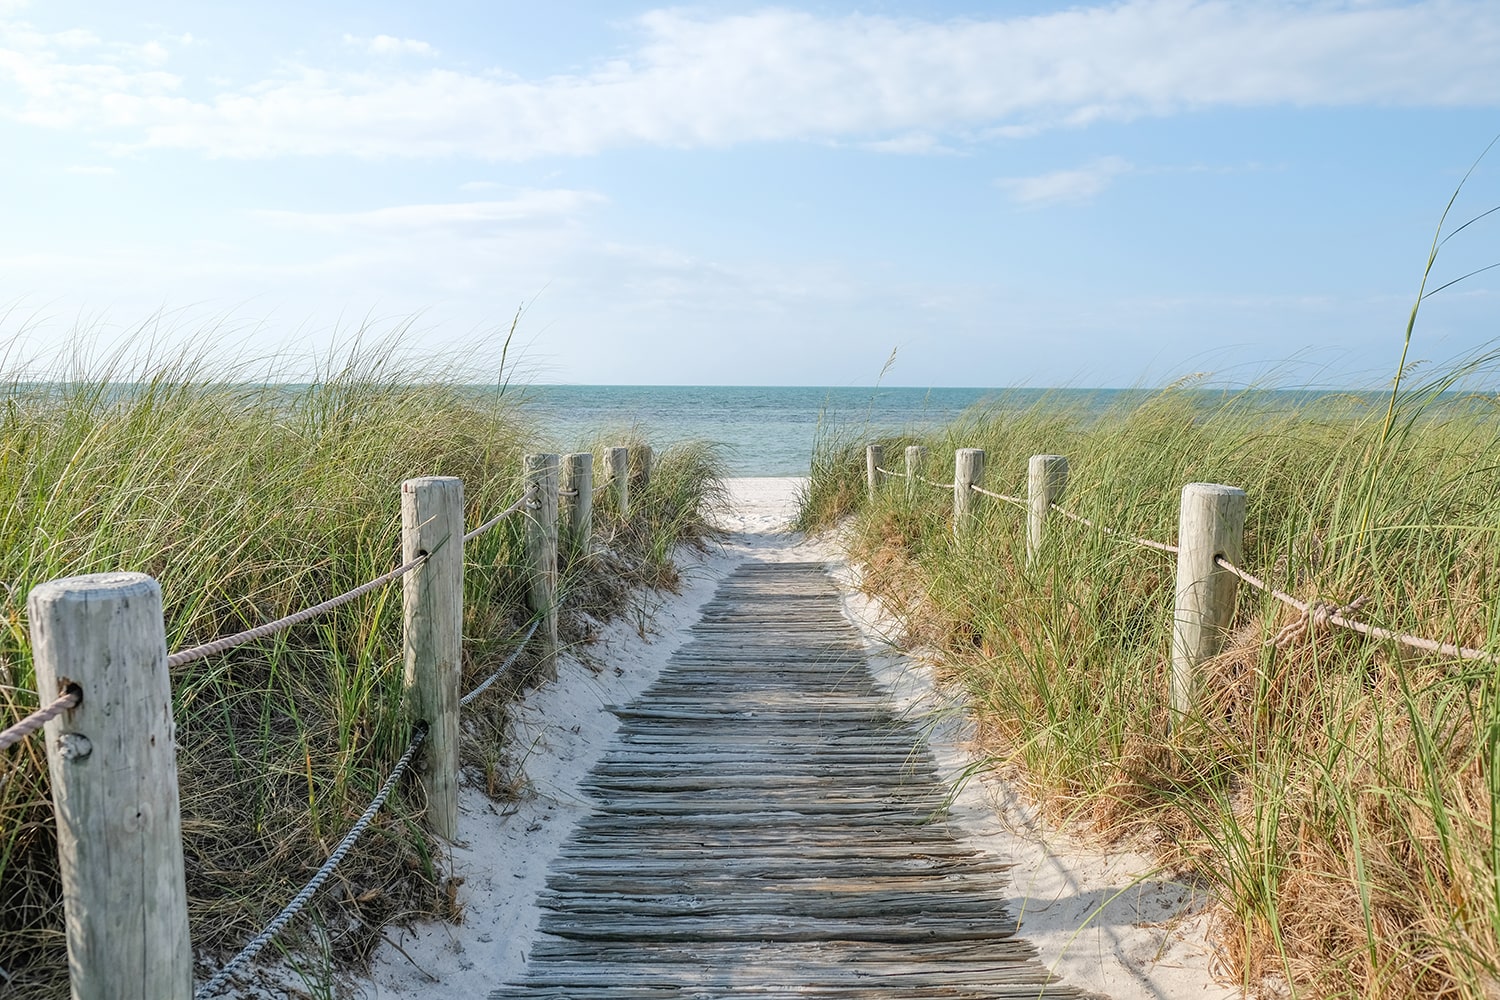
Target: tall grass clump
{"points": [[1339, 794], [676, 500], [248, 498], [835, 483]]}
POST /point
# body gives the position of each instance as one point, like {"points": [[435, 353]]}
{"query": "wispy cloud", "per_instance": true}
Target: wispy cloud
{"points": [[1066, 186], [911, 144], [472, 219], [390, 45], [778, 74], [90, 170]]}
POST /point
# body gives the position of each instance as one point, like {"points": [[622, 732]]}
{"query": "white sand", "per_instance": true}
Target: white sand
{"points": [[1104, 921]]}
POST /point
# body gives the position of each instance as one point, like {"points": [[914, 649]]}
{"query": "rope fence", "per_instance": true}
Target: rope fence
{"points": [[124, 612], [1147, 542], [1321, 612], [36, 720], [997, 496], [946, 486], [1211, 530], [484, 685], [229, 642], [269, 629], [278, 923], [507, 512], [300, 901]]}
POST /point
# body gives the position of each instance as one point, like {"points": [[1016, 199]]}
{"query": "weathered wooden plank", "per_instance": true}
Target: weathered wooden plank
{"points": [[705, 975], [920, 908], [899, 841], [856, 989], [783, 784], [1001, 970], [845, 955], [758, 926], [762, 868]]}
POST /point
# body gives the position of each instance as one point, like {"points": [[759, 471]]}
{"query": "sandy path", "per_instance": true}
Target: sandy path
{"points": [[1102, 921]]}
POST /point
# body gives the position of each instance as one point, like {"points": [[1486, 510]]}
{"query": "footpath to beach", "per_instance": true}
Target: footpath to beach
{"points": [[628, 904]]}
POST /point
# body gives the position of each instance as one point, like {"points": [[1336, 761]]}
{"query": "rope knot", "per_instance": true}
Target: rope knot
{"points": [[1315, 617]]}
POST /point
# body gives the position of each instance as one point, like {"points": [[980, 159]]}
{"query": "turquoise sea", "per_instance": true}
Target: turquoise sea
{"points": [[770, 430], [764, 430]]}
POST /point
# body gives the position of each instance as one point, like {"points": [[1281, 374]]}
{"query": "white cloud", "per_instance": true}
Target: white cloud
{"points": [[779, 74], [1085, 183], [474, 219], [75, 38], [607, 312], [389, 45], [90, 170], [911, 144], [74, 79], [154, 53], [1066, 186]]}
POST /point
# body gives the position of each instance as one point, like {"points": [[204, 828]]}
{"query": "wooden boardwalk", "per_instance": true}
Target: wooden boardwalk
{"points": [[765, 827]]}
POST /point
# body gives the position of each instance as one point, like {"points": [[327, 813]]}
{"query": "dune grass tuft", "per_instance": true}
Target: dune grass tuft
{"points": [[1339, 795], [247, 500]]}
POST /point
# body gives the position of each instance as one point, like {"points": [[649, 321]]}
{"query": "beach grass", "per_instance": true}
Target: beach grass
{"points": [[1338, 794], [248, 498]]}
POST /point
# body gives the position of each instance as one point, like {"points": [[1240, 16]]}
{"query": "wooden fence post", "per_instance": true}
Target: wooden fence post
{"points": [[113, 761], [647, 460], [617, 461], [968, 470], [1046, 479], [916, 465], [874, 460], [576, 504], [541, 555], [432, 622], [1211, 524]]}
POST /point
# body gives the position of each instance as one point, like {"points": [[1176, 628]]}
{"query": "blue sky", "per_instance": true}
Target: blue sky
{"points": [[1007, 193]]}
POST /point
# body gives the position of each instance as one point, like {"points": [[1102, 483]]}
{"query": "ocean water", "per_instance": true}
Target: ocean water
{"points": [[764, 430], [771, 430]]}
